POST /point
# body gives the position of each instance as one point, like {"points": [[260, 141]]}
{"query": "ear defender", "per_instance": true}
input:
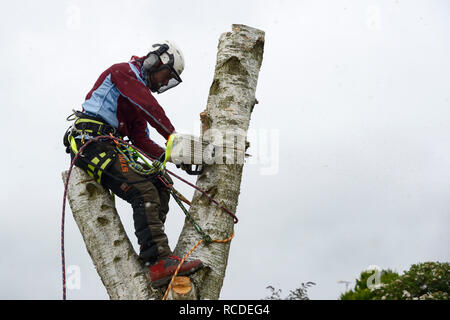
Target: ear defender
{"points": [[153, 59], [151, 62]]}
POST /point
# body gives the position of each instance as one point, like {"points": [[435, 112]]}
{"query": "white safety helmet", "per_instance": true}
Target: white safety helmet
{"points": [[165, 55]]}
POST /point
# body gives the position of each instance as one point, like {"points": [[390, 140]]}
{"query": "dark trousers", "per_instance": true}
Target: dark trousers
{"points": [[148, 198]]}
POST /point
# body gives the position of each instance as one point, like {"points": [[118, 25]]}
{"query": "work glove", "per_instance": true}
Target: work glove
{"points": [[189, 169]]}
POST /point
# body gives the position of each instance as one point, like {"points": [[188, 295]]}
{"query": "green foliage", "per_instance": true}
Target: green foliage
{"points": [[423, 281], [369, 277]]}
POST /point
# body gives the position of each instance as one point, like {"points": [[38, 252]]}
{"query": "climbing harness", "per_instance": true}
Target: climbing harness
{"points": [[131, 154], [85, 128]]}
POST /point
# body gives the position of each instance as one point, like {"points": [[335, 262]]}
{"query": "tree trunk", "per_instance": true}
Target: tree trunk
{"points": [[106, 241], [226, 118]]}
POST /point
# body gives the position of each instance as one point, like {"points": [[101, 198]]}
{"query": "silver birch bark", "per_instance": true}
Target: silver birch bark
{"points": [[106, 241], [227, 115]]}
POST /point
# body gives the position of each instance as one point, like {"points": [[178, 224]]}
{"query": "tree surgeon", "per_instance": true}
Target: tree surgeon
{"points": [[121, 104]]}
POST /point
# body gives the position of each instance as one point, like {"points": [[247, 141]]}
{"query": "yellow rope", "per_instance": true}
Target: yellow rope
{"points": [[184, 259]]}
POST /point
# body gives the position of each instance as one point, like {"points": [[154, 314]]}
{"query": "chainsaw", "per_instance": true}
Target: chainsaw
{"points": [[187, 151]]}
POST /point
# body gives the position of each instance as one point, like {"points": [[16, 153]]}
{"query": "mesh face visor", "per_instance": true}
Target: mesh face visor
{"points": [[173, 82]]}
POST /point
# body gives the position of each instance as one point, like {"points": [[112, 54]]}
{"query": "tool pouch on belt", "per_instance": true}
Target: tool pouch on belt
{"points": [[98, 155]]}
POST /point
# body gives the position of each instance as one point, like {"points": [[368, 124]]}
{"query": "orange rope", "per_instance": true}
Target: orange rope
{"points": [[184, 259]]}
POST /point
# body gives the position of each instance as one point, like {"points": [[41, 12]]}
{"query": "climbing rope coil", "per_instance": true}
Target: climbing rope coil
{"points": [[131, 154]]}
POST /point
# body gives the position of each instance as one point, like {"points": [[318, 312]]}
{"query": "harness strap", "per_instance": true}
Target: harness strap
{"points": [[93, 127], [86, 127]]}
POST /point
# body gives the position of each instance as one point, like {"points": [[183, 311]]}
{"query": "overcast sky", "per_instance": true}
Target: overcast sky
{"points": [[350, 139]]}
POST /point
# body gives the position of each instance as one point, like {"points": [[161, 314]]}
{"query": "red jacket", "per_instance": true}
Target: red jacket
{"points": [[121, 98]]}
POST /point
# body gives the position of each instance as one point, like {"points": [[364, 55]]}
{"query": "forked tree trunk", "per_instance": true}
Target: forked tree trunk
{"points": [[226, 119]]}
